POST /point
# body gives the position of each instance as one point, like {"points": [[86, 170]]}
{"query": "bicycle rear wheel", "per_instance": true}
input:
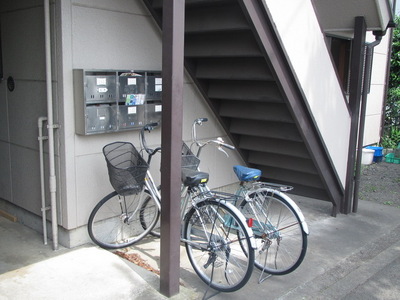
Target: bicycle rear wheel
{"points": [[280, 237], [115, 221], [218, 245]]}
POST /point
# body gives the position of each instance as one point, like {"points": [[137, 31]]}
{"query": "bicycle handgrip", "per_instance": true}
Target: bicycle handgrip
{"points": [[150, 126], [200, 120], [227, 146]]}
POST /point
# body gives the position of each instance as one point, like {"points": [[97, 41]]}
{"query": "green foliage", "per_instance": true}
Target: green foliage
{"points": [[391, 138], [392, 112], [394, 81], [391, 134]]}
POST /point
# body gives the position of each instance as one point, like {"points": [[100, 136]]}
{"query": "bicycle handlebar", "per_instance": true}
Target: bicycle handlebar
{"points": [[231, 147], [219, 141], [148, 127]]}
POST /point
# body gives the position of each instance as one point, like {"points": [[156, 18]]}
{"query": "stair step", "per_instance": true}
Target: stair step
{"points": [[283, 131], [275, 112], [219, 18], [275, 174], [237, 68], [157, 4], [310, 192], [227, 44], [266, 145], [283, 162], [244, 90]]}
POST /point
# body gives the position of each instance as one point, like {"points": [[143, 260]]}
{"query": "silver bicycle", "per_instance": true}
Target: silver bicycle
{"points": [[219, 244], [279, 227]]}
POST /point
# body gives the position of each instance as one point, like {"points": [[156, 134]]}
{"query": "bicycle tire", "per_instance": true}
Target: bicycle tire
{"points": [[279, 233], [149, 208], [223, 262], [108, 227]]}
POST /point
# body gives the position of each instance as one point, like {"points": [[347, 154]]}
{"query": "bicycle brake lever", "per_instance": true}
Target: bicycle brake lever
{"points": [[222, 150]]}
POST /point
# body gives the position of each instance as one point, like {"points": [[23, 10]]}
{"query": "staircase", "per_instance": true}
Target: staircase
{"points": [[226, 58]]}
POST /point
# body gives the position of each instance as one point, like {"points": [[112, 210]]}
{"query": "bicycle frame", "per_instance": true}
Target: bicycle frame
{"points": [[186, 194], [242, 190]]}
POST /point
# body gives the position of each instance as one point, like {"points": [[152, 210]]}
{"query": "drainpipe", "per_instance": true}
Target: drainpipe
{"points": [[51, 126], [365, 90], [44, 209]]}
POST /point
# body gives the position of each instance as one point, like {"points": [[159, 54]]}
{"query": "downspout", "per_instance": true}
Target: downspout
{"points": [[365, 90], [44, 209], [51, 126]]}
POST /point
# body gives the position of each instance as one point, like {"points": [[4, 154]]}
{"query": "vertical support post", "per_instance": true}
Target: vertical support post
{"points": [[171, 140], [357, 169], [365, 91], [1, 58], [356, 81]]}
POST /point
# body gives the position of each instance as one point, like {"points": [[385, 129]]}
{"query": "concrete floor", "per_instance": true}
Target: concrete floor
{"points": [[355, 256]]}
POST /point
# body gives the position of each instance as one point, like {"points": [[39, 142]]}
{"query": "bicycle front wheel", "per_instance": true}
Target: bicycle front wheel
{"points": [[115, 221], [147, 212], [280, 237], [218, 245]]}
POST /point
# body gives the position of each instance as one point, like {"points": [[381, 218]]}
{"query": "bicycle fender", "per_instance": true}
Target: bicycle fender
{"points": [[296, 209], [291, 203], [242, 219]]}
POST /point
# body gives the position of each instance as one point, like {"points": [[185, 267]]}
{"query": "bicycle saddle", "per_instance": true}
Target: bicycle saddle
{"points": [[246, 174], [192, 177]]}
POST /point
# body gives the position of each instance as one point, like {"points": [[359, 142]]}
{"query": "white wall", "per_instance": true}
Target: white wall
{"points": [[304, 43], [22, 32], [376, 97], [115, 35], [86, 34]]}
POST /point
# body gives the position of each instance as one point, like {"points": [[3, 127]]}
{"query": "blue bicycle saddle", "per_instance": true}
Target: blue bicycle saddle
{"points": [[246, 174]]}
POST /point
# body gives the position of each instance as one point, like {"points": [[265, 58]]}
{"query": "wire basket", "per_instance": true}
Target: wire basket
{"points": [[189, 160], [126, 168]]}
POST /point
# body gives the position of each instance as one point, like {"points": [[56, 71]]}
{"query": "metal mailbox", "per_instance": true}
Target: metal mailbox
{"points": [[112, 101]]}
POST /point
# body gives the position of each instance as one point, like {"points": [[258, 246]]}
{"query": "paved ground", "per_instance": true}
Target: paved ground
{"points": [[349, 257]]}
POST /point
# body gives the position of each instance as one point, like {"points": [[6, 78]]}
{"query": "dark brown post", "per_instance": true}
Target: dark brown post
{"points": [[171, 141], [356, 80]]}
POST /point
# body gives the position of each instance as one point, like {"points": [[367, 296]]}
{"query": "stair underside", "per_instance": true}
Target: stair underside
{"points": [[224, 57]]}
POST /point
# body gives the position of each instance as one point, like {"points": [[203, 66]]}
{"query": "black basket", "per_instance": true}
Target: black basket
{"points": [[189, 160], [126, 168]]}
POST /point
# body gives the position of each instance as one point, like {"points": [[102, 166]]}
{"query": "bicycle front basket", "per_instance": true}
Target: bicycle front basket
{"points": [[126, 168], [189, 160]]}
